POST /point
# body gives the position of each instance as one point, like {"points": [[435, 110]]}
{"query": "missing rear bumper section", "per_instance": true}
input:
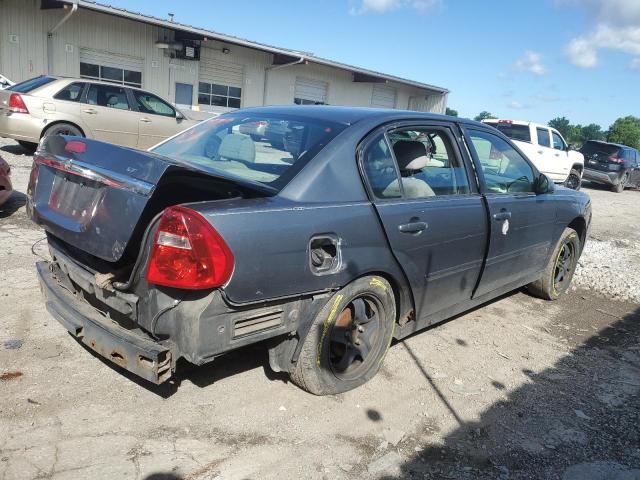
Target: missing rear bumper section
{"points": [[130, 349]]}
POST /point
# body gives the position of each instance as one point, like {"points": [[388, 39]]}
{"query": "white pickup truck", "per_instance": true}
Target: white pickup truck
{"points": [[546, 148]]}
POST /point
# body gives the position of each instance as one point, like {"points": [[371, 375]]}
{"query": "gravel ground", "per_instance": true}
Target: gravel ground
{"points": [[517, 389]]}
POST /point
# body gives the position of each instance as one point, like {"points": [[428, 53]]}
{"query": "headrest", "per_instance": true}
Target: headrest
{"points": [[236, 146], [411, 155], [113, 100]]}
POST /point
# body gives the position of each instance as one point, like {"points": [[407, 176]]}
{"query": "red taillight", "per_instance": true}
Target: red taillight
{"points": [[188, 252], [615, 159], [16, 104], [261, 123], [75, 146]]}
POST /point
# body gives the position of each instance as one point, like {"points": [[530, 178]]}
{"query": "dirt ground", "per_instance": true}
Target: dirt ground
{"points": [[517, 389]]}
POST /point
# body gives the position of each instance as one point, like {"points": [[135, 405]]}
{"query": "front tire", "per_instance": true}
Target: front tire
{"points": [[574, 180], [557, 276], [348, 339]]}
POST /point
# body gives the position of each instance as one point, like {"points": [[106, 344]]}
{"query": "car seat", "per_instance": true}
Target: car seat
{"points": [[412, 158]]}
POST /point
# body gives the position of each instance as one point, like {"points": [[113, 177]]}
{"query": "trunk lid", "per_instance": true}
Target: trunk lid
{"points": [[99, 197], [597, 156]]}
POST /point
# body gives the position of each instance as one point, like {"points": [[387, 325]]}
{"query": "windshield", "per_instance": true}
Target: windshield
{"points": [[32, 84], [265, 149], [513, 131]]}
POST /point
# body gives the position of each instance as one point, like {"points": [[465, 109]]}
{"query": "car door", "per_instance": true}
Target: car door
{"points": [[634, 163], [521, 222], [107, 112], [561, 166], [432, 214], [157, 120]]}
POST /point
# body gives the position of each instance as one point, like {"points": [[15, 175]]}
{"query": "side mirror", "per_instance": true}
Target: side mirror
{"points": [[179, 115], [544, 185], [571, 146]]}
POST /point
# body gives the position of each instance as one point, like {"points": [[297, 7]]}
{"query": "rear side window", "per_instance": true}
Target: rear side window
{"points": [[29, 85], [543, 137], [380, 168], [514, 132], [70, 93], [108, 96]]}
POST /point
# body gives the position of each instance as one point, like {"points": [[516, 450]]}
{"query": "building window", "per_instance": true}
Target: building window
{"points": [[215, 95], [304, 101], [110, 74]]}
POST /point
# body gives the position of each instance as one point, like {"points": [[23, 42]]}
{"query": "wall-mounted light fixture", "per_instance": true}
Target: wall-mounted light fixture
{"points": [[226, 51]]}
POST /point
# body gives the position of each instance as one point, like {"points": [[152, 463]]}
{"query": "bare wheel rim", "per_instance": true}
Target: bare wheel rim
{"points": [[564, 266], [354, 341]]}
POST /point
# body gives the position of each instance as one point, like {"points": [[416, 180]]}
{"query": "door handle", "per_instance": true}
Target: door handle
{"points": [[540, 152], [413, 227], [90, 111], [503, 215], [145, 120]]}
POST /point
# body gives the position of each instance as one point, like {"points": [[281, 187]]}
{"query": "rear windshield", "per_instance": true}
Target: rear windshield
{"points": [[28, 85], [514, 132], [590, 148], [265, 149]]}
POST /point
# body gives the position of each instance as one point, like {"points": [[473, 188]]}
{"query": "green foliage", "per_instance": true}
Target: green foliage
{"points": [[484, 115], [626, 131], [563, 125], [451, 112]]}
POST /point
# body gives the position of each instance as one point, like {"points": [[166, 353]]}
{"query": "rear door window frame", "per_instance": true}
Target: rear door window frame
{"points": [[449, 128]]}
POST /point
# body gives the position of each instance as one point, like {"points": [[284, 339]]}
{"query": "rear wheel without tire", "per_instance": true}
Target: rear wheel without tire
{"points": [[574, 180], [28, 146], [619, 188], [63, 129], [348, 338], [557, 276]]}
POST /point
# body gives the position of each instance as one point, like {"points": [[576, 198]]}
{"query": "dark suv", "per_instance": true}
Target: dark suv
{"points": [[611, 164]]}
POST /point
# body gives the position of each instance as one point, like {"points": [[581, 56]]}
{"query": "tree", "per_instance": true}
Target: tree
{"points": [[592, 131], [484, 115], [451, 112], [563, 125], [626, 131]]}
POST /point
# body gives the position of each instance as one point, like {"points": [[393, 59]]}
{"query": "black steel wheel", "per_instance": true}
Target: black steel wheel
{"points": [[348, 339], [574, 180], [557, 276]]}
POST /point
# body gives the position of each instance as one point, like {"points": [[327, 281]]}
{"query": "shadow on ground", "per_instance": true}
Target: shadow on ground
{"points": [[576, 420], [13, 204]]}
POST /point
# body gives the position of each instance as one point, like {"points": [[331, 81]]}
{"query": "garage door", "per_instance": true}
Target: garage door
{"points": [[310, 92], [383, 96], [220, 85], [111, 67]]}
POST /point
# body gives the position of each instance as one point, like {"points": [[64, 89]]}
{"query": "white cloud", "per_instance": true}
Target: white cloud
{"points": [[532, 63], [382, 6], [617, 28], [517, 105]]}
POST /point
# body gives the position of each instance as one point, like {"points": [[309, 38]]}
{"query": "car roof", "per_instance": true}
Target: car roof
{"points": [[610, 143], [517, 122], [350, 115]]}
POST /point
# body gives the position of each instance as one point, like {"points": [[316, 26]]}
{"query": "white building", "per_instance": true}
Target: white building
{"points": [[192, 67]]}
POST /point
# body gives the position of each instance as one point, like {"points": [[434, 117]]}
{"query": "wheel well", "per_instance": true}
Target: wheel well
{"points": [[578, 167], [58, 123], [404, 300], [579, 225]]}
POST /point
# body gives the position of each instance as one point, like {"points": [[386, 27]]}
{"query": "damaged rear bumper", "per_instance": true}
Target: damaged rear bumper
{"points": [[130, 349]]}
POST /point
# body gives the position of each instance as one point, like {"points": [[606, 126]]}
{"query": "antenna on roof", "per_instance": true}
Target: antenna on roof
{"points": [[171, 15]]}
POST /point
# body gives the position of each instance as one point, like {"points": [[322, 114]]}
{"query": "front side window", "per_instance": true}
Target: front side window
{"points": [[505, 170], [558, 142], [108, 96], [272, 151], [216, 95], [152, 105], [426, 160], [543, 137], [121, 76], [71, 93]]}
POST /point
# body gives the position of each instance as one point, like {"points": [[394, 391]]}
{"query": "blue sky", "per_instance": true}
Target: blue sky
{"points": [[531, 60]]}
